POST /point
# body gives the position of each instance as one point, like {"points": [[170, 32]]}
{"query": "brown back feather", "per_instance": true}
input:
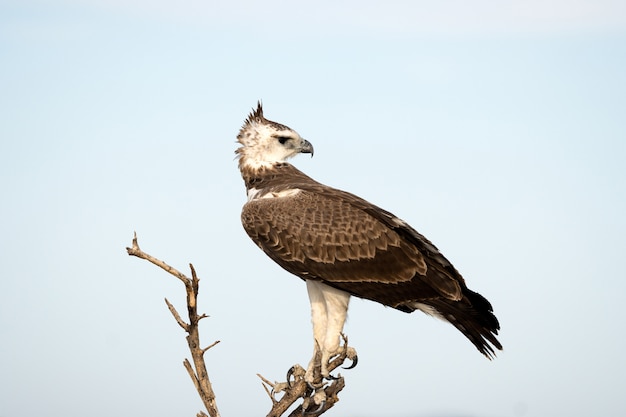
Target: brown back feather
{"points": [[331, 235]]}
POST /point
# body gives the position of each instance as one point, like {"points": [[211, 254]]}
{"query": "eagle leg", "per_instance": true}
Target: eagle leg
{"points": [[277, 388], [350, 354], [345, 352], [329, 308], [332, 377], [296, 372], [325, 362], [317, 411], [322, 403], [313, 375]]}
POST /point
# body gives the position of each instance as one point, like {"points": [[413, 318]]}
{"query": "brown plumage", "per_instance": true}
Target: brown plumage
{"points": [[327, 235]]}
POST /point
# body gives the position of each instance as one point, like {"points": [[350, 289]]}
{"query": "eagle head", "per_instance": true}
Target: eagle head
{"points": [[264, 142]]}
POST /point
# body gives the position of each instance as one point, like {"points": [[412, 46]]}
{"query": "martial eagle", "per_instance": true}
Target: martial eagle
{"points": [[342, 245]]}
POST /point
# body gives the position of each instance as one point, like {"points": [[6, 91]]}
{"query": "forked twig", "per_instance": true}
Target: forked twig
{"points": [[199, 375]]}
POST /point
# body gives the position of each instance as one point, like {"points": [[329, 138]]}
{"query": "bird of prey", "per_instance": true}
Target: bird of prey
{"points": [[342, 245]]}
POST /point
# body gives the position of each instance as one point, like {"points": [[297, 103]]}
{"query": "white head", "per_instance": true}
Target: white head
{"points": [[264, 142]]}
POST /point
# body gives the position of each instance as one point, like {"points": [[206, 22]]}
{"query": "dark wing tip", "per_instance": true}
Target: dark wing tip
{"points": [[473, 316]]}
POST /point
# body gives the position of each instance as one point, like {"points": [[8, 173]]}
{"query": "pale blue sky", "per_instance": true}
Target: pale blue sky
{"points": [[497, 129]]}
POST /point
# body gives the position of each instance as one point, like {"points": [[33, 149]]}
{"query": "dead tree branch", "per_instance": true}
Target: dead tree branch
{"points": [[297, 388], [315, 402], [199, 375]]}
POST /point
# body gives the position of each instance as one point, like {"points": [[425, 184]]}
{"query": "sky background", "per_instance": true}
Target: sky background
{"points": [[495, 128]]}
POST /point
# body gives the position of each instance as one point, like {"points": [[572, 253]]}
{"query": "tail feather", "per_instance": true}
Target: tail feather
{"points": [[473, 316]]}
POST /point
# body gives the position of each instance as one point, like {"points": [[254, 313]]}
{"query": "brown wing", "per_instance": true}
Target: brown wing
{"points": [[349, 243]]}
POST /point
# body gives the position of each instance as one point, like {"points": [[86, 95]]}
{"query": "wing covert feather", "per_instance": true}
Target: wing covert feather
{"points": [[310, 234]]}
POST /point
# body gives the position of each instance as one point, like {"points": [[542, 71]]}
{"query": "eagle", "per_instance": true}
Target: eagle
{"points": [[342, 246]]}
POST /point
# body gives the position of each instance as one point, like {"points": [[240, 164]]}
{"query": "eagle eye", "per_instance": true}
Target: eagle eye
{"points": [[283, 139]]}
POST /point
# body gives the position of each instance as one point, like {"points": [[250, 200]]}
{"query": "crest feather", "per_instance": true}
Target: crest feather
{"points": [[256, 115]]}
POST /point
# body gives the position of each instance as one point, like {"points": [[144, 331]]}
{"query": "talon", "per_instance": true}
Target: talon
{"points": [[355, 360], [278, 388], [333, 377], [316, 411], [314, 387], [290, 373]]}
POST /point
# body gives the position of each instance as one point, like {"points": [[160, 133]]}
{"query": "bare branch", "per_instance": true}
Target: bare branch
{"points": [[265, 385], [199, 376], [210, 346], [135, 251], [180, 321], [192, 374]]}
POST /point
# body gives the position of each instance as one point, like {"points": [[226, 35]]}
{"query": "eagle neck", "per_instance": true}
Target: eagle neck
{"points": [[279, 176]]}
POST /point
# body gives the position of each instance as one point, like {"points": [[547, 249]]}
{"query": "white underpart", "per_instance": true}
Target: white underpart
{"points": [[329, 309], [431, 311], [254, 194], [254, 164]]}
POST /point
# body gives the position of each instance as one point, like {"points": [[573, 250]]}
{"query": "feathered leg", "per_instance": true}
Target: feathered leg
{"points": [[329, 308]]}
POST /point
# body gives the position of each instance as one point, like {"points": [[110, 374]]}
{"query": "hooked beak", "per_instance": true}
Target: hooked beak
{"points": [[306, 147]]}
